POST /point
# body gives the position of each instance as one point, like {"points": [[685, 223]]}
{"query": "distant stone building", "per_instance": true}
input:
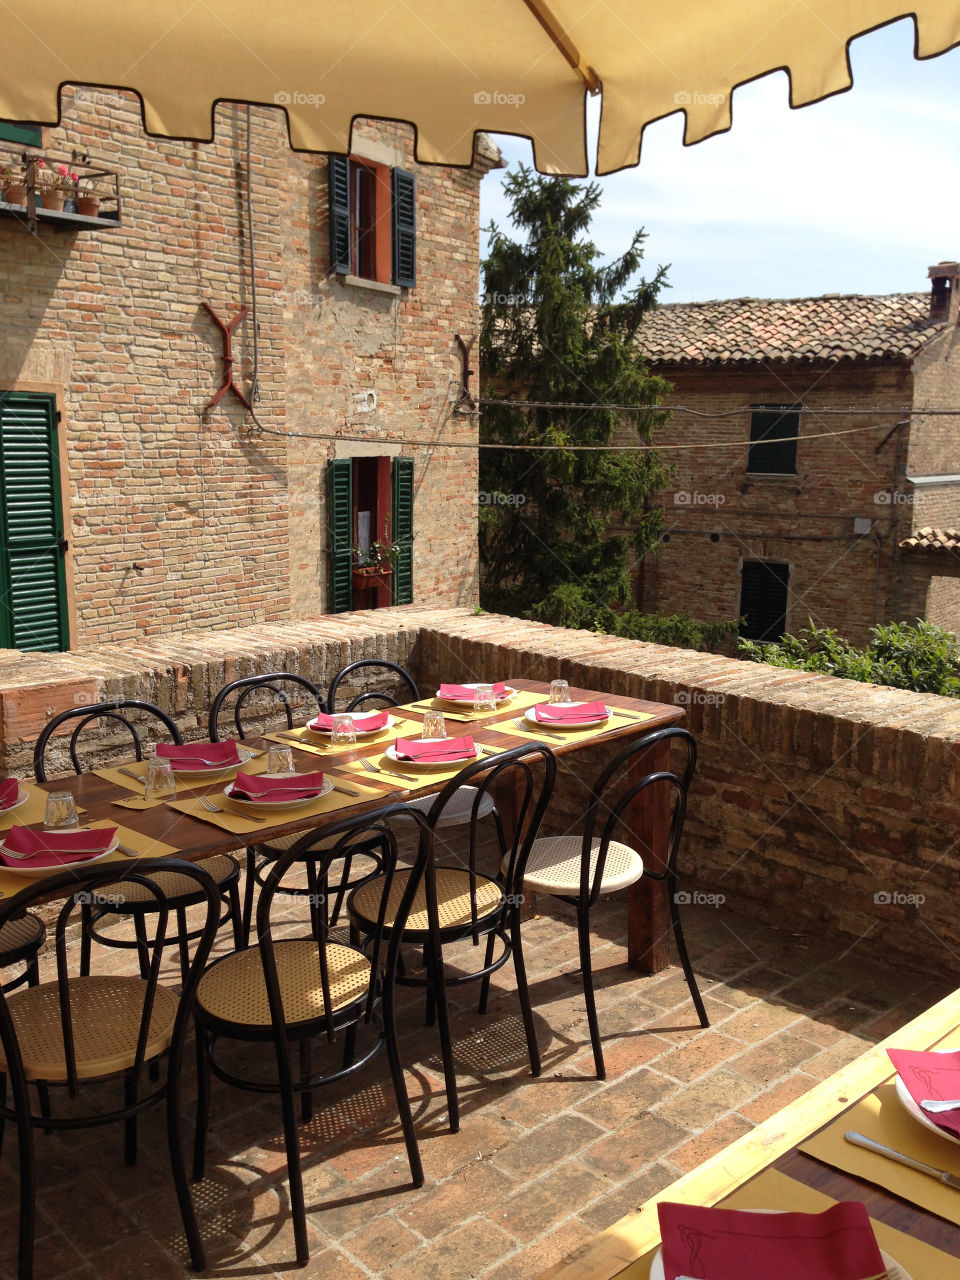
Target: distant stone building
{"points": [[130, 509], [820, 515]]}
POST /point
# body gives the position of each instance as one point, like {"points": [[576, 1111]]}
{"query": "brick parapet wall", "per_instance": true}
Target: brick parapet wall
{"points": [[812, 794]]}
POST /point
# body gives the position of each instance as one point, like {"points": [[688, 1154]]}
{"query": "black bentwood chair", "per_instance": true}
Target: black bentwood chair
{"points": [[457, 903], [269, 695], [400, 684], [20, 943], [179, 894], [580, 869], [288, 991], [81, 1028]]}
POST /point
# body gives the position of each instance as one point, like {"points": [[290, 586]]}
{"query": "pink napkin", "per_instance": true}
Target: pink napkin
{"points": [[200, 755], [461, 693], [423, 752], [300, 786], [362, 720], [931, 1076], [51, 848], [730, 1244], [9, 791], [560, 713]]}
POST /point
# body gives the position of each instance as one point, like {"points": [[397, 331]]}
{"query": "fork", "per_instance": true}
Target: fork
{"points": [[375, 768], [520, 724], [208, 804]]}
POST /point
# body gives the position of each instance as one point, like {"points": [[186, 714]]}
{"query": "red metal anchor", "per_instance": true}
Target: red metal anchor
{"points": [[228, 383]]}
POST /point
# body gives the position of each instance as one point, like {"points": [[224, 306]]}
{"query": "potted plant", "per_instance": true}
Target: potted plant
{"points": [[55, 183], [88, 198], [13, 184], [375, 568]]}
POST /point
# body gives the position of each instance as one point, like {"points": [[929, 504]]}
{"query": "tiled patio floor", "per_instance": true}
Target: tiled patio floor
{"points": [[538, 1164]]}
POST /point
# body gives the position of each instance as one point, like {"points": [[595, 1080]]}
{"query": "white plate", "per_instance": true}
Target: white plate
{"points": [[894, 1269], [558, 724], [468, 702], [391, 754], [23, 795], [903, 1094], [361, 733], [214, 770], [279, 806], [24, 868]]}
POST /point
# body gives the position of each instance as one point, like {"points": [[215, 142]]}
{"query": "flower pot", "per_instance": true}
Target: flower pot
{"points": [[364, 578], [52, 199], [89, 206], [15, 193]]}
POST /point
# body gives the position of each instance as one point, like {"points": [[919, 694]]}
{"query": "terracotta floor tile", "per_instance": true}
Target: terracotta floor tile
{"points": [[548, 1200], [618, 1104], [773, 1059], [773, 1099], [708, 1142], [627, 1150], [467, 1251], [547, 1145], [697, 1105], [478, 1188]]}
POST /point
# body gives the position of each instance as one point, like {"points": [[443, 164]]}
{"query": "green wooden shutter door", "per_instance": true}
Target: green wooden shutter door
{"points": [[404, 228], [33, 612], [340, 534], [338, 176], [403, 529], [763, 599]]}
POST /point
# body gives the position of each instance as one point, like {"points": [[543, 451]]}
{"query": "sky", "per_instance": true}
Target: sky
{"points": [[859, 193]]}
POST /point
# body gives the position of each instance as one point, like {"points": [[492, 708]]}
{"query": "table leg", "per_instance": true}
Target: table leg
{"points": [[648, 911]]}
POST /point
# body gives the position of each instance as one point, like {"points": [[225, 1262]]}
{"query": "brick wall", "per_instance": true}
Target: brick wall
{"points": [[179, 518], [813, 795]]}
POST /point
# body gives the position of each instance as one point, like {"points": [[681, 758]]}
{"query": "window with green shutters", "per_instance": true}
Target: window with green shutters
{"points": [[33, 597], [774, 422], [25, 135], [763, 599], [397, 523]]}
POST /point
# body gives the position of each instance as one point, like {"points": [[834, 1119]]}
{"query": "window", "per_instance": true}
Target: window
{"points": [[25, 135], [372, 221], [774, 422], [763, 599], [33, 597], [364, 495]]}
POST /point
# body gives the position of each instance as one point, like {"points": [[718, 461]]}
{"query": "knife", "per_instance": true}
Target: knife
{"points": [[942, 1175], [930, 1104]]}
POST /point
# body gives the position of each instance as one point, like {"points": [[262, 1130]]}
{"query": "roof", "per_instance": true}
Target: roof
{"points": [[932, 540], [829, 328]]}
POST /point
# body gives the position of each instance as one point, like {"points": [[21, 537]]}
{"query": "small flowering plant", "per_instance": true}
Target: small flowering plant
{"points": [[57, 177]]}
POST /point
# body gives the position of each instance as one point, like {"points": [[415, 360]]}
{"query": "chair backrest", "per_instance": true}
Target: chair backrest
{"points": [[402, 683], [82, 887], [529, 771], [608, 814], [351, 833], [86, 715], [273, 683]]}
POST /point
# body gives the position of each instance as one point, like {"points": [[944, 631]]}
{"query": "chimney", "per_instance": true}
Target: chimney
{"points": [[944, 293]]}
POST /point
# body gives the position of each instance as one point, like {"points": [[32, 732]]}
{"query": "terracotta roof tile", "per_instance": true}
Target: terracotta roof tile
{"points": [[932, 540], [831, 328]]}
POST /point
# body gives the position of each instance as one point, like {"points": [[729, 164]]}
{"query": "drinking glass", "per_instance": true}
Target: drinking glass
{"points": [[433, 726], [61, 812], [344, 731], [279, 760], [483, 699], [159, 784], [559, 691]]}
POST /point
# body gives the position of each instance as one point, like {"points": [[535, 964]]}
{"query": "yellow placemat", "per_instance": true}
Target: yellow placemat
{"points": [[11, 885], [231, 819], [120, 778], [521, 700], [882, 1117], [550, 735], [421, 776], [25, 815]]}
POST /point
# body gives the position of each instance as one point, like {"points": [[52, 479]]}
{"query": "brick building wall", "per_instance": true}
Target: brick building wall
{"points": [[181, 518]]}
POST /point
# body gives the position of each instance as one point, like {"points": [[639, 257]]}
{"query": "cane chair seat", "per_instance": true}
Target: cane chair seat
{"points": [[459, 809], [106, 1013], [173, 885], [453, 900], [17, 935], [554, 866], [234, 990]]}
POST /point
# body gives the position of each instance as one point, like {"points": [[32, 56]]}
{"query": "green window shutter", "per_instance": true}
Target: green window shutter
{"points": [[26, 135], [403, 529], [773, 422], [763, 599], [340, 534], [33, 611], [338, 176], [404, 228]]}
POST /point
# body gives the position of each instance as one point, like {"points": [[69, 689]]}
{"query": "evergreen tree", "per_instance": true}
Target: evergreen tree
{"points": [[560, 327]]}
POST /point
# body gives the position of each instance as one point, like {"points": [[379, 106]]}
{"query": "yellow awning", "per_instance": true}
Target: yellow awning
{"points": [[450, 69]]}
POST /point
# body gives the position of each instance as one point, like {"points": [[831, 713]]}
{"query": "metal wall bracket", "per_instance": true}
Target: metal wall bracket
{"points": [[227, 331]]}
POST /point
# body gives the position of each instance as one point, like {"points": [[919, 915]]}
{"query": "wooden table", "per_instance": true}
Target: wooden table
{"points": [[621, 1250], [647, 910]]}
